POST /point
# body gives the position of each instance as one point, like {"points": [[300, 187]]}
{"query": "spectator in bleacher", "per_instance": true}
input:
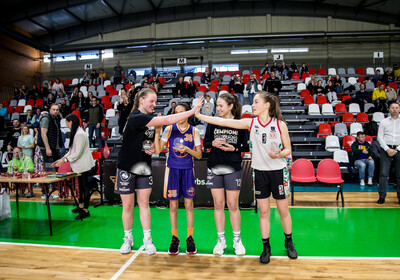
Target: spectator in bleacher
{"points": [[273, 85], [124, 107], [45, 91], [26, 142], [265, 70], [390, 94], [35, 93], [252, 87], [60, 97], [132, 72], [131, 93], [81, 103], [396, 72], [36, 118], [50, 100], [377, 77], [172, 110], [155, 83], [361, 156], [90, 95], [284, 71], [275, 67], [318, 90], [95, 117], [85, 78], [49, 135], [389, 139], [208, 106], [3, 115], [239, 88], [215, 75], [65, 109], [94, 77], [16, 94], [180, 88], [330, 91], [206, 79], [118, 72], [27, 119], [379, 98], [23, 92], [74, 96], [312, 83], [303, 69], [232, 83], [12, 136], [363, 97], [58, 86], [103, 76], [191, 89], [338, 84], [293, 69], [145, 80], [388, 76]]}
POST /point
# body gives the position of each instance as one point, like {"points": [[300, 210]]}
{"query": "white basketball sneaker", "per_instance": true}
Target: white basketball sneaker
{"points": [[149, 246], [238, 246], [127, 245], [220, 247]]}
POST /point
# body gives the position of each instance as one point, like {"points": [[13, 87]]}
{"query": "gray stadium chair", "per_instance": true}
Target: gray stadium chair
{"points": [[92, 89], [332, 71], [351, 71], [341, 71], [13, 103], [370, 71], [332, 143], [313, 109], [340, 130], [246, 72], [199, 94], [368, 106], [118, 87], [327, 109], [354, 128], [115, 98], [112, 122], [369, 86]]}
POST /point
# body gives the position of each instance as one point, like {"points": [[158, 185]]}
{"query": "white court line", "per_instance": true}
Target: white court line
{"points": [[125, 266], [206, 255]]}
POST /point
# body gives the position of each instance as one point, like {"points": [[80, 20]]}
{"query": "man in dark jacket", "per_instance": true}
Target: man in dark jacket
{"points": [[12, 136], [49, 136], [361, 155], [273, 84], [95, 117]]}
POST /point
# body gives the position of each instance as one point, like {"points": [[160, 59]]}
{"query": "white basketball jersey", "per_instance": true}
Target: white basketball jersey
{"points": [[265, 139]]}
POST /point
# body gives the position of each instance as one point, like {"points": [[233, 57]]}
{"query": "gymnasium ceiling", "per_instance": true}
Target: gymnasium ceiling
{"points": [[54, 23]]}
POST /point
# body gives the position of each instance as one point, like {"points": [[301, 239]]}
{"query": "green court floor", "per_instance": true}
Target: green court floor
{"points": [[338, 232]]}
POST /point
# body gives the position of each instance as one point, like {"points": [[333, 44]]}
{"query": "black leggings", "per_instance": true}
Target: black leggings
{"points": [[85, 187]]}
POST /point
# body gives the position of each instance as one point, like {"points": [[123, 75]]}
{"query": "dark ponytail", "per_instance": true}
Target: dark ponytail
{"points": [[274, 109], [74, 127], [184, 105], [233, 99]]}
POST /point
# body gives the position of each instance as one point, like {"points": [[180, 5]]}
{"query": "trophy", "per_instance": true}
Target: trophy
{"points": [[178, 144], [147, 145]]}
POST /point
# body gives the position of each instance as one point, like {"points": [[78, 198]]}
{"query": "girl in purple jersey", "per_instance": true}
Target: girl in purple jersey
{"points": [[184, 144]]}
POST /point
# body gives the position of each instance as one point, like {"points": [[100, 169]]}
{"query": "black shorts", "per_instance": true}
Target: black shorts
{"points": [[127, 182], [275, 182], [231, 182]]}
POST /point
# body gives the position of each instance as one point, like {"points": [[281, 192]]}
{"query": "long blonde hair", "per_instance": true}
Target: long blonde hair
{"points": [[22, 131], [274, 109], [141, 94]]}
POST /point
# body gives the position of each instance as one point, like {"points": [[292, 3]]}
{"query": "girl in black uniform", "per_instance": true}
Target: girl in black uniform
{"points": [[134, 163], [224, 170]]}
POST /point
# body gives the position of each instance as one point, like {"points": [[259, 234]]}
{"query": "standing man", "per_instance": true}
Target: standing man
{"points": [[389, 140], [95, 116], [118, 71], [13, 134], [49, 136], [273, 85]]}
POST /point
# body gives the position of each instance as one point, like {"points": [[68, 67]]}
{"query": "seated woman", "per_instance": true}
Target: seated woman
{"points": [[191, 89], [206, 76], [338, 84], [318, 90], [312, 84], [330, 92], [215, 75]]}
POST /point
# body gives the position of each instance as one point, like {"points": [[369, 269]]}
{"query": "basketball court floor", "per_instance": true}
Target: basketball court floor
{"points": [[359, 241]]}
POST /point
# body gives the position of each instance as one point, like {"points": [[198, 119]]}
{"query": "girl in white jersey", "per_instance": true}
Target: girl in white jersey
{"points": [[270, 141]]}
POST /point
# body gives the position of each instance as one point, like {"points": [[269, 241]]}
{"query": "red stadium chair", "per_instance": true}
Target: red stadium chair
{"points": [[347, 118], [340, 95], [19, 109], [96, 155], [225, 87], [312, 71], [305, 75], [321, 71], [345, 97], [393, 85], [369, 139], [264, 76], [324, 130], [340, 109], [10, 109], [361, 79], [39, 103], [229, 73], [162, 81], [360, 71], [213, 88], [196, 83], [321, 100], [303, 171], [67, 82], [237, 73], [214, 83], [328, 171], [304, 93], [202, 89], [108, 105], [362, 118], [105, 133], [113, 92], [296, 76], [105, 99], [199, 74], [127, 86], [247, 116], [257, 72], [348, 140], [246, 78], [30, 102], [109, 88], [308, 100], [5, 103]]}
